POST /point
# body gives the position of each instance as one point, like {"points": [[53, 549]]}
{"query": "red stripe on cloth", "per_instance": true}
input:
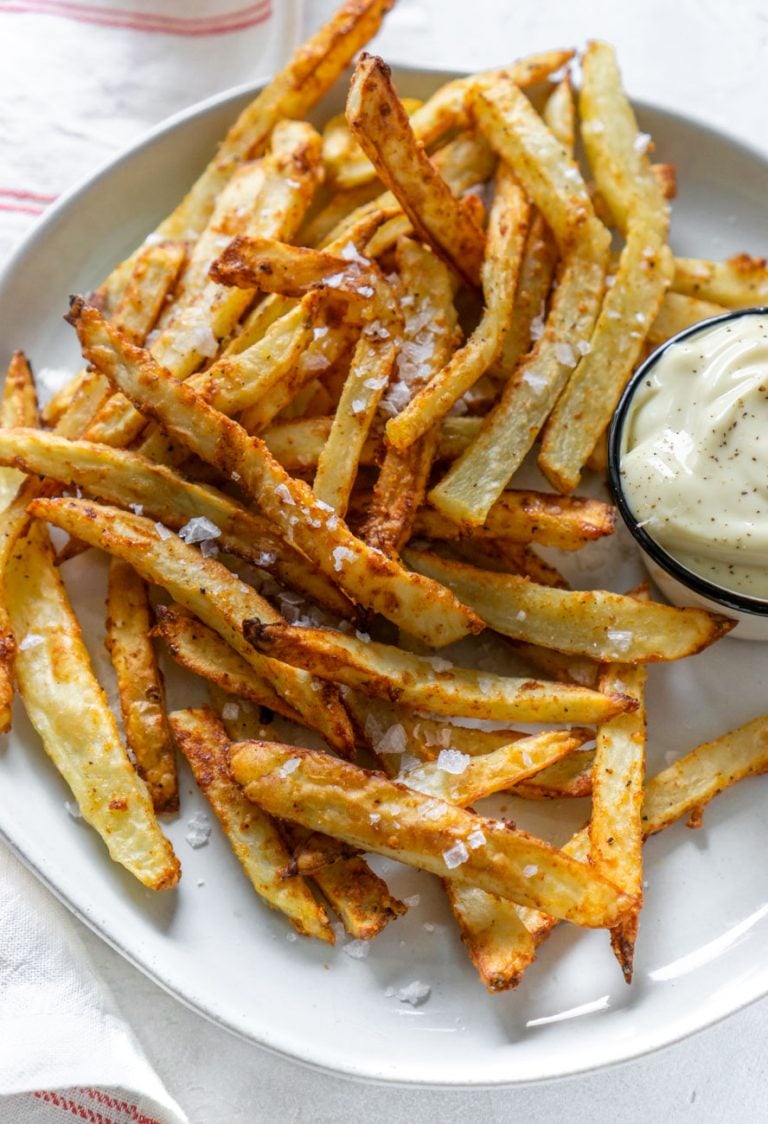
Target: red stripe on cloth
{"points": [[32, 196], [129, 1110], [237, 20], [22, 208], [153, 17], [73, 1108]]}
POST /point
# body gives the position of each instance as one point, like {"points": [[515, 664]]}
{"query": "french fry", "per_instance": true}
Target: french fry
{"points": [[552, 180], [678, 312], [540, 256], [129, 480], [151, 282], [615, 829], [568, 523], [380, 125], [426, 347], [209, 590], [624, 177], [251, 833], [413, 681], [505, 241], [363, 574], [369, 374], [329, 795], [493, 772], [18, 406], [594, 623], [292, 271], [69, 710], [140, 685], [739, 282], [498, 943]]}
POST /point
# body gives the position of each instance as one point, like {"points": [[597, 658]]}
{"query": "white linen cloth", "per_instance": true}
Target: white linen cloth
{"points": [[79, 81]]}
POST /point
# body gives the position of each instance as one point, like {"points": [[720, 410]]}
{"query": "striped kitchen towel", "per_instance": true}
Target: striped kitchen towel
{"points": [[81, 79]]}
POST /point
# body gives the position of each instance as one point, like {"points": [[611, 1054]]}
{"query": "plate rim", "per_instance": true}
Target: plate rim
{"points": [[685, 1028]]}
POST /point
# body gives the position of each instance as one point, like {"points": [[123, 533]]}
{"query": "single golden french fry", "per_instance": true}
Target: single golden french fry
{"points": [[678, 312], [369, 374], [497, 771], [18, 406], [251, 833], [595, 623], [525, 517], [140, 684], [431, 685], [69, 710], [624, 178], [615, 829], [208, 589], [739, 282], [380, 125], [401, 484], [365, 575], [505, 242], [332, 796], [272, 266]]}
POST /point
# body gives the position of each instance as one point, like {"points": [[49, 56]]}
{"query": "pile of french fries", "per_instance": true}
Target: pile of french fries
{"points": [[303, 404]]}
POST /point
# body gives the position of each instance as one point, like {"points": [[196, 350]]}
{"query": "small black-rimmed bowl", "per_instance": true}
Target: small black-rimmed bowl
{"points": [[679, 584]]}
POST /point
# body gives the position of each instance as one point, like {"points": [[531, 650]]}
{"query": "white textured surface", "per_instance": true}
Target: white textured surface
{"points": [[696, 57]]}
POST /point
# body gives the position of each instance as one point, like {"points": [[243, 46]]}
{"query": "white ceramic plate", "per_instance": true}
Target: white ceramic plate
{"points": [[702, 951]]}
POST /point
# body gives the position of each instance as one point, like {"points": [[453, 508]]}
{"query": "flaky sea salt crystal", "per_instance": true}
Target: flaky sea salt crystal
{"points": [[619, 639], [414, 993], [341, 554], [521, 614], [230, 711], [641, 143], [137, 508], [476, 839], [485, 683], [198, 830], [375, 384], [31, 640], [564, 354], [394, 740], [163, 531], [455, 855], [199, 529], [536, 381], [358, 950], [530, 870], [537, 326], [282, 492], [289, 766], [358, 406], [412, 901], [452, 761], [407, 763], [584, 347], [74, 809], [209, 548], [374, 817], [439, 664], [351, 253]]}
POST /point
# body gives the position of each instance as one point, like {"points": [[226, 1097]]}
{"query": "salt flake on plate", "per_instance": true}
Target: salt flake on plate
{"points": [[455, 856]]}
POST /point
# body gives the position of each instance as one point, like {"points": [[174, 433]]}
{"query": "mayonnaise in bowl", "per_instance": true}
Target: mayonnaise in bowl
{"points": [[689, 463]]}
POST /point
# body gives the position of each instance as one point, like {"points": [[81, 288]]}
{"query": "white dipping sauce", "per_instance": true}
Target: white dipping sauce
{"points": [[694, 460]]}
